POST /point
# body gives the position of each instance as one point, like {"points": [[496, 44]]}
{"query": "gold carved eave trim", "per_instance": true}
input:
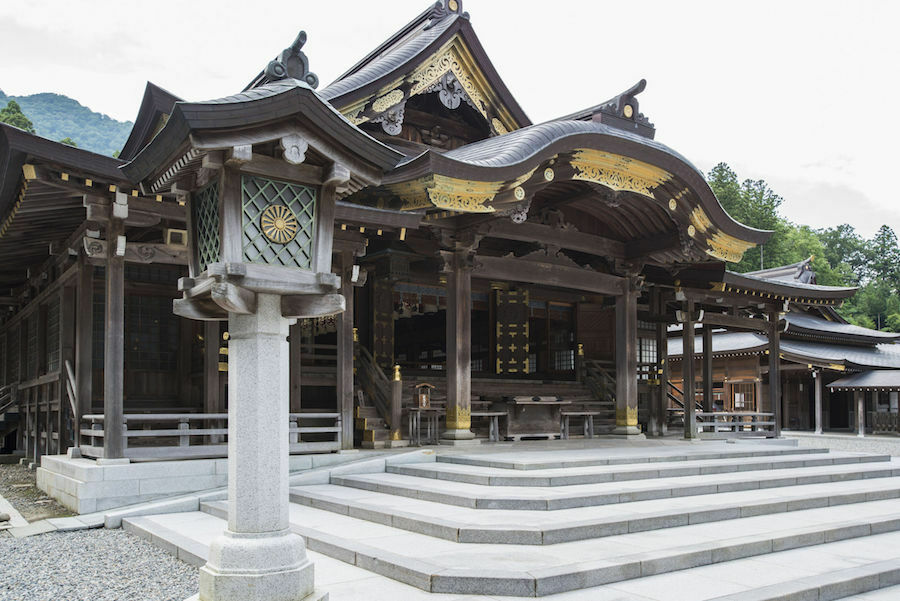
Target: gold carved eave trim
{"points": [[618, 172], [453, 57], [719, 244], [446, 193]]}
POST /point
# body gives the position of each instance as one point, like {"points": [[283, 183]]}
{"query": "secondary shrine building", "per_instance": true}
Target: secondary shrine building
{"points": [[500, 278]]}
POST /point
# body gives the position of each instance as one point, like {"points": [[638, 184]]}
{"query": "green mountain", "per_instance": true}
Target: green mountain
{"points": [[56, 117]]}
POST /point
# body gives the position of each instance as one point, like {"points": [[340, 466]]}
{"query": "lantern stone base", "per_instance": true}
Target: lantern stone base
{"points": [[257, 567]]}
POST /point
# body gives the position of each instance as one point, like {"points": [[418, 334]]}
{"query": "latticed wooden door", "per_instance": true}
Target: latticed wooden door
{"points": [[511, 309]]}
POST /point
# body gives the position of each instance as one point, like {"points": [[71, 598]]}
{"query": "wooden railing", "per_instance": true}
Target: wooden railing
{"points": [[196, 435], [600, 378], [374, 383], [719, 424], [885, 423], [7, 397]]}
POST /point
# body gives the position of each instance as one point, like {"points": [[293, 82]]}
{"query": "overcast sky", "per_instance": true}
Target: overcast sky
{"points": [[801, 94]]}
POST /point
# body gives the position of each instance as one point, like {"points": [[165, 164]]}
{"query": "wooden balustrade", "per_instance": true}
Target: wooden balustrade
{"points": [[730, 424], [202, 435]]}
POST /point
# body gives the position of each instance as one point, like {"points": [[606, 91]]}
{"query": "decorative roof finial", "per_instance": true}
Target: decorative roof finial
{"points": [[444, 8], [292, 62]]}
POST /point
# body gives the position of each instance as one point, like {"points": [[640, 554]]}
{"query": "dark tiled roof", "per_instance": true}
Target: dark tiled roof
{"points": [[793, 288], [808, 324], [391, 58], [877, 378]]}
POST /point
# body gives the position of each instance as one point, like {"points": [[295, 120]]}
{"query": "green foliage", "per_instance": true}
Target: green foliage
{"points": [[69, 141], [14, 116], [57, 117], [841, 257]]}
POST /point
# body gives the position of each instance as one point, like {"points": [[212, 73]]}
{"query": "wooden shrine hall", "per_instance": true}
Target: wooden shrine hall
{"points": [[496, 277]]}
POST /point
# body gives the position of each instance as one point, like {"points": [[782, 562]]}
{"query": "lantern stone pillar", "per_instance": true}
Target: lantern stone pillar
{"points": [[258, 557]]}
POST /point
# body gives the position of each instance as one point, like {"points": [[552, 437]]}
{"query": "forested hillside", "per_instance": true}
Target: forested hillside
{"points": [[842, 256], [58, 117]]}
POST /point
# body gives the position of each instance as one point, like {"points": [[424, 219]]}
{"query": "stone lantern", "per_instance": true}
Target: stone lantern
{"points": [[260, 173]]}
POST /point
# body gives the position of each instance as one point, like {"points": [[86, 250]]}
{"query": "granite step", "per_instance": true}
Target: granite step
{"points": [[528, 527], [760, 547], [537, 460], [546, 498], [566, 476]]}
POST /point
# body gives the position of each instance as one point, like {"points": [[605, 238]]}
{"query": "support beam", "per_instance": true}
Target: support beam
{"points": [[775, 371], [67, 318], [344, 372], [860, 397], [707, 369], [548, 274], [819, 384], [660, 395], [626, 361], [687, 370], [114, 350], [457, 266], [296, 354], [211, 342]]}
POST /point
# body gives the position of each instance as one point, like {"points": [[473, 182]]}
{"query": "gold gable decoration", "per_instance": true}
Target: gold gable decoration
{"points": [[447, 193], [453, 58], [618, 172], [719, 245]]}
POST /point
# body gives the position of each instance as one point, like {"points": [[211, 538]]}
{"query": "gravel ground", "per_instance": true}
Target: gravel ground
{"points": [[91, 565], [17, 485]]}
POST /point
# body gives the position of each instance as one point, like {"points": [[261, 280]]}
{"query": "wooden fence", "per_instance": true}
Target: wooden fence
{"points": [[202, 435]]}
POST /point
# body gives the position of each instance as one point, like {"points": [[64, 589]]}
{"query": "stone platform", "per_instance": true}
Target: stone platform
{"points": [[675, 522]]}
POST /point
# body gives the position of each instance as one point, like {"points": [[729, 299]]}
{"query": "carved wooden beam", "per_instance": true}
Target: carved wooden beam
{"points": [[563, 238], [304, 306], [139, 252], [234, 299], [548, 274]]}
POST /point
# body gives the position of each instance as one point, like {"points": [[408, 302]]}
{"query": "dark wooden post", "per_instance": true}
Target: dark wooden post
{"points": [[687, 369], [211, 341], [396, 404], [295, 352], [42, 391], [84, 332], [775, 370], [344, 373], [860, 397], [661, 399], [626, 360], [457, 266], [114, 353], [66, 355], [707, 369], [819, 384]]}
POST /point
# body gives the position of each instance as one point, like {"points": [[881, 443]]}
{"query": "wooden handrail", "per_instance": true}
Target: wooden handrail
{"points": [[47, 378]]}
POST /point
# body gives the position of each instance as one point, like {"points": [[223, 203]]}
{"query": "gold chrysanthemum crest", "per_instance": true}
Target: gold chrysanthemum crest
{"points": [[278, 224]]}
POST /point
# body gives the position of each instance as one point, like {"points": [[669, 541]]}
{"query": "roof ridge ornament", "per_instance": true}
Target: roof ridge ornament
{"points": [[623, 109], [444, 8], [292, 62]]}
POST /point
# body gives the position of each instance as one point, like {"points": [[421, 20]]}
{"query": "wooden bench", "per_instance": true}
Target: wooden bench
{"points": [[494, 422], [588, 423]]}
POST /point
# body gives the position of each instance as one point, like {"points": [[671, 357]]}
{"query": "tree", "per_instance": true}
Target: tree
{"points": [[845, 251], [116, 153], [14, 116], [69, 141], [884, 259]]}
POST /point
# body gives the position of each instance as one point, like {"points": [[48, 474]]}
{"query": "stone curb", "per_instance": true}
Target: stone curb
{"points": [[433, 492], [460, 531], [438, 579]]}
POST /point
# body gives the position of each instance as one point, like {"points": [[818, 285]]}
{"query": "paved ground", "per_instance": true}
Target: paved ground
{"points": [[847, 442]]}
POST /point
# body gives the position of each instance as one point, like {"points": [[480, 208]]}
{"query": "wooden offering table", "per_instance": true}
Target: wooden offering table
{"points": [[537, 417]]}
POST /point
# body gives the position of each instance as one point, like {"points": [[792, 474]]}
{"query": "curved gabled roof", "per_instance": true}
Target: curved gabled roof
{"points": [[803, 324], [786, 288], [156, 104], [257, 106], [429, 37]]}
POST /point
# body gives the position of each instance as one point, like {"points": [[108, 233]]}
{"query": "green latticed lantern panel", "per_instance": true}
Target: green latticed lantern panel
{"points": [[205, 213], [279, 222]]}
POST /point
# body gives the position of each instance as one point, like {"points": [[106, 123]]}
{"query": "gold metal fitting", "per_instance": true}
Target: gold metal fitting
{"points": [[396, 373]]}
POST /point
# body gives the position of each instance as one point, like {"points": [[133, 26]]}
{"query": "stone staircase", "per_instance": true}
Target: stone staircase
{"points": [[665, 522]]}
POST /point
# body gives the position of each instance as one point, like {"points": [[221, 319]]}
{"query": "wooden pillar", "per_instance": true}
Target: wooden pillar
{"points": [[211, 341], [819, 384], [626, 361], [114, 350], [67, 318], [707, 369], [860, 397], [84, 333], [687, 369], [775, 371], [457, 266], [661, 398], [295, 352], [344, 372]]}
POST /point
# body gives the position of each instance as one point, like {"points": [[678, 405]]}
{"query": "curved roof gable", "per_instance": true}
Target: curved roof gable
{"points": [[437, 51], [156, 107]]}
